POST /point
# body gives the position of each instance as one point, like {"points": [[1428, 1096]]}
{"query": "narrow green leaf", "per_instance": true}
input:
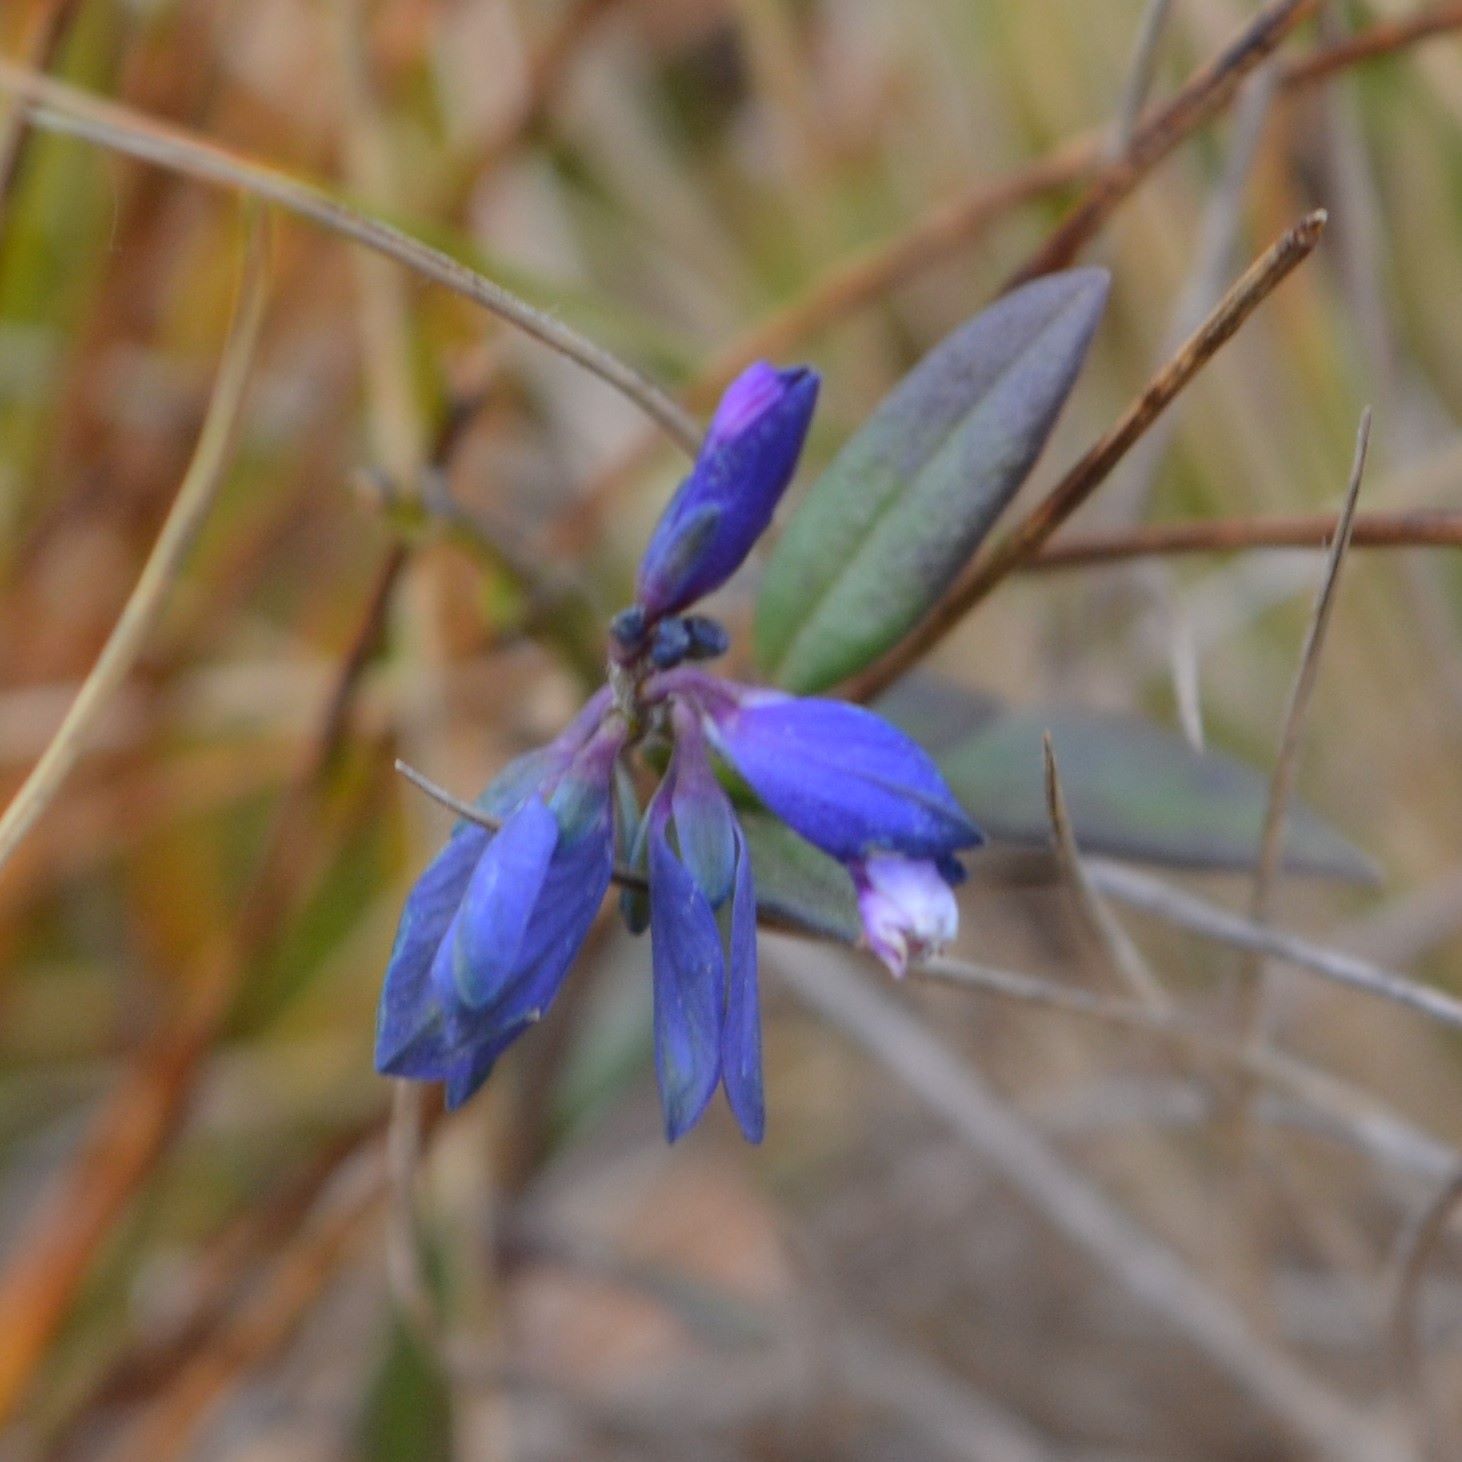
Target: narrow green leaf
{"points": [[909, 498], [1135, 791]]}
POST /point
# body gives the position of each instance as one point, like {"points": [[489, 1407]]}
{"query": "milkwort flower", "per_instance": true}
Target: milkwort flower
{"points": [[490, 929]]}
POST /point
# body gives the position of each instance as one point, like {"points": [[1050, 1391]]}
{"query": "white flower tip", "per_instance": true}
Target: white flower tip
{"points": [[908, 910]]}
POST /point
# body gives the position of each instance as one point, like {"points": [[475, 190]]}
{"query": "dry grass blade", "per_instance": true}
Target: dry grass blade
{"points": [[1281, 784], [1020, 545], [1237, 535], [1140, 73], [211, 458], [1202, 97], [1350, 1113], [61, 108], [1407, 1348], [1258, 1013], [1186, 911], [1151, 1274], [1117, 947]]}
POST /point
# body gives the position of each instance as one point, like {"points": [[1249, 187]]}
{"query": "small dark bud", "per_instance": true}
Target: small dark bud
{"points": [[670, 645], [708, 637], [627, 628]]}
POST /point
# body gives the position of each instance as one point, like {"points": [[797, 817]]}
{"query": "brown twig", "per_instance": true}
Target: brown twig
{"points": [[1202, 97], [1236, 535], [1380, 39], [869, 274], [1024, 541]]}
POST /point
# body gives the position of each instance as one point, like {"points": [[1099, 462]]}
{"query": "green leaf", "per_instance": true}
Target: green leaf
{"points": [[408, 1407], [902, 507], [796, 883], [1135, 791]]}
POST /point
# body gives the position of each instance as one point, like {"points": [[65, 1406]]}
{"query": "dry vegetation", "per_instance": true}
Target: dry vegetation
{"points": [[1155, 1165]]}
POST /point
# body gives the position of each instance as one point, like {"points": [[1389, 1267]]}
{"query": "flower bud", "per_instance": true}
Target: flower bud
{"points": [[724, 506]]}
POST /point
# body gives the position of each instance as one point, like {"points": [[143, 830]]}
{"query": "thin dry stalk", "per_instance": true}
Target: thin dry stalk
{"points": [[185, 519], [1020, 545], [1154, 1276], [1350, 1113], [1120, 953], [61, 108], [1281, 781], [870, 274], [1202, 97], [1415, 529], [1184, 910], [1408, 1350]]}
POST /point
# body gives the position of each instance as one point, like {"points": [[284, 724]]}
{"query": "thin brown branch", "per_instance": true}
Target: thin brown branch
{"points": [[1235, 535], [866, 276], [1203, 96], [61, 108], [1381, 39], [48, 31], [1027, 538]]}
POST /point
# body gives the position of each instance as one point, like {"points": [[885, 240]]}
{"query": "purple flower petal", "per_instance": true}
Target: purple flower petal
{"points": [[689, 973], [704, 824], [405, 1021], [741, 1031], [841, 776], [481, 952], [724, 506]]}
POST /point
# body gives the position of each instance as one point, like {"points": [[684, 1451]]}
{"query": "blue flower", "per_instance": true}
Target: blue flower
{"points": [[707, 1016], [491, 928], [724, 506], [839, 775]]}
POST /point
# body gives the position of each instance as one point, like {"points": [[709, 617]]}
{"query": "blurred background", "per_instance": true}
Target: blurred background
{"points": [[421, 522]]}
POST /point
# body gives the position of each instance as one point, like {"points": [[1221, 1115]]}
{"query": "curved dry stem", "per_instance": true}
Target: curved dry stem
{"points": [[179, 532], [1115, 943], [61, 108]]}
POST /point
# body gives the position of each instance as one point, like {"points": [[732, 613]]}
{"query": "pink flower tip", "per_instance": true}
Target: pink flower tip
{"points": [[907, 907]]}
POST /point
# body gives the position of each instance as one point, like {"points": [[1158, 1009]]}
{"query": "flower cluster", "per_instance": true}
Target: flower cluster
{"points": [[491, 928]]}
